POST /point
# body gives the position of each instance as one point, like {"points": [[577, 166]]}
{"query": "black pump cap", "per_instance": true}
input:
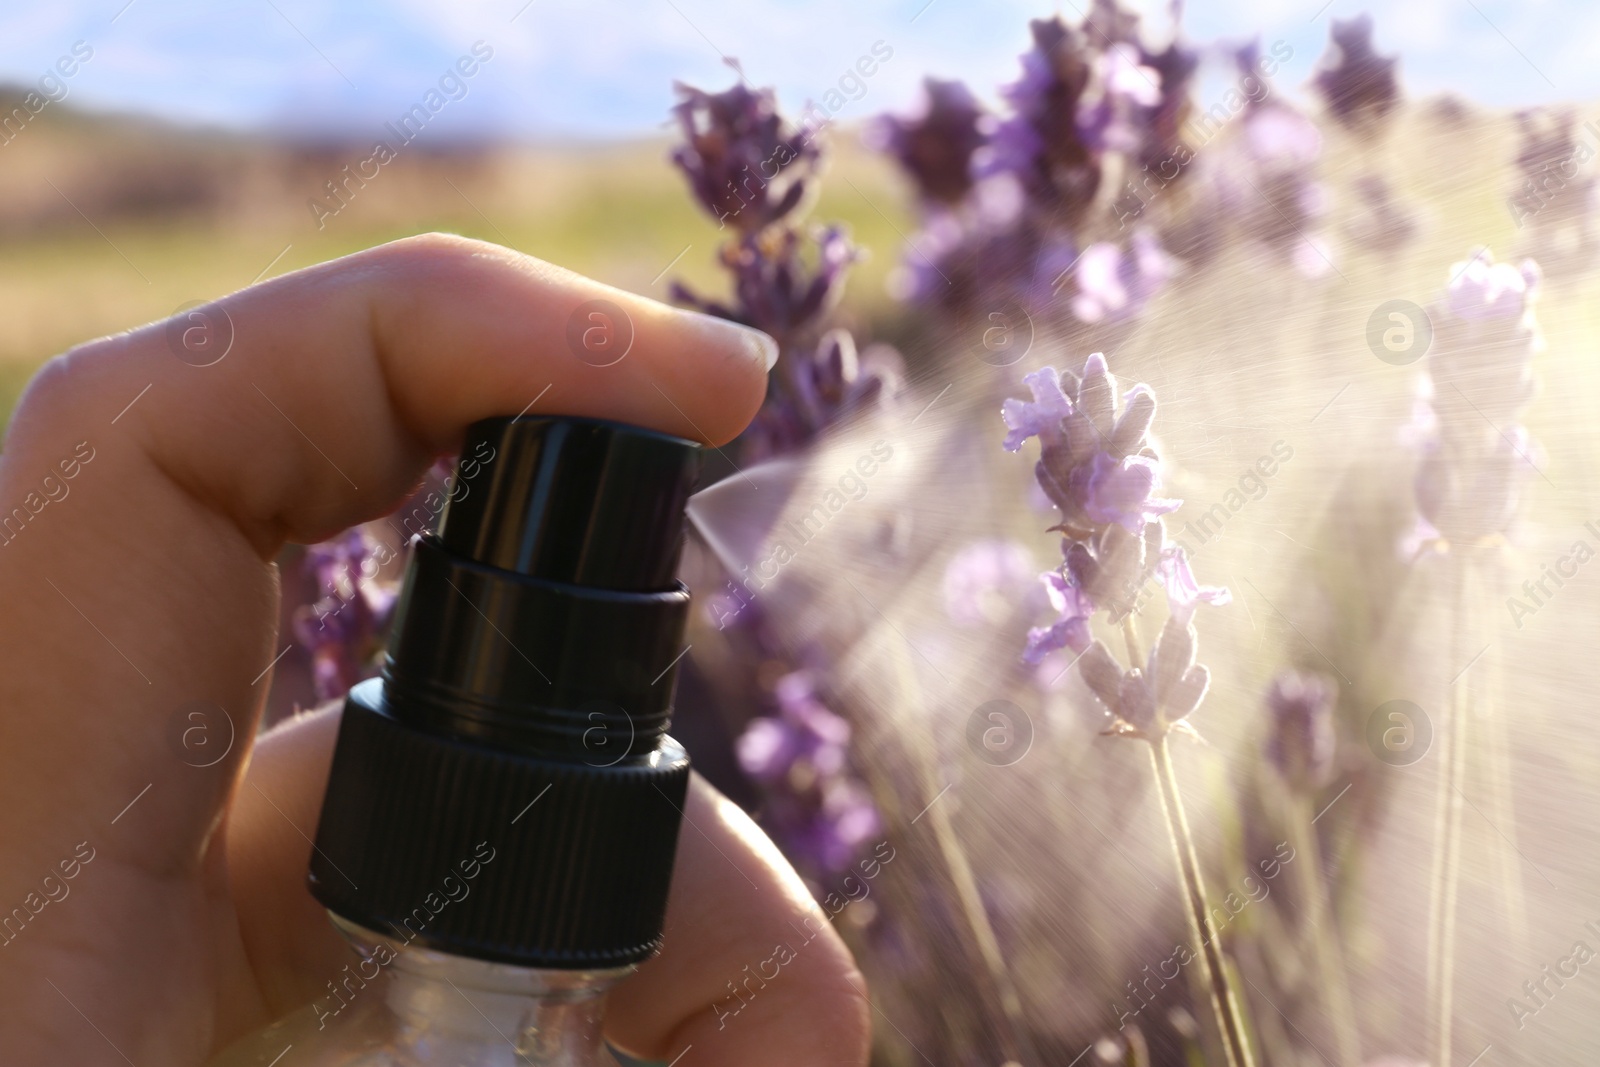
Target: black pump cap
{"points": [[573, 500], [523, 708]]}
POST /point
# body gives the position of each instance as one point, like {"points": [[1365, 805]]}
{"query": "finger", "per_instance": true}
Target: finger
{"points": [[140, 581], [752, 971], [292, 946]]}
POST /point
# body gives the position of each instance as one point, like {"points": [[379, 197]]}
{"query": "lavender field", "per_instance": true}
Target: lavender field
{"points": [[1359, 503], [1152, 608]]}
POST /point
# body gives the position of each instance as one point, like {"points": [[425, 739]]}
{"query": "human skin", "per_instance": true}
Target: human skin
{"points": [[152, 585]]}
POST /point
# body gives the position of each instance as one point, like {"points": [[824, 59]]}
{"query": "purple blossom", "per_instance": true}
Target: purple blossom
{"points": [[935, 147], [1094, 462], [1474, 497], [1041, 141], [1302, 743], [801, 754], [345, 627], [1175, 67], [1114, 285], [775, 290], [1119, 491], [738, 155], [804, 738], [1476, 457], [985, 580], [1113, 117], [1483, 290], [1096, 466], [836, 381], [1042, 416], [1184, 593], [1555, 193], [1071, 628], [784, 281], [1359, 85]]}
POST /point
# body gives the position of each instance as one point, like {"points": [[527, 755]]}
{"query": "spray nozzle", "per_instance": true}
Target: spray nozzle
{"points": [[581, 501], [524, 704]]}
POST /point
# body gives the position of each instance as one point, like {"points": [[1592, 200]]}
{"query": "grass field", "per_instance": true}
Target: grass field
{"points": [[87, 258]]}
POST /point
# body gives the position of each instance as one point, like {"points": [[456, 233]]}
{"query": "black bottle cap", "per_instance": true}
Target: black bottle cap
{"points": [[519, 730], [573, 500]]}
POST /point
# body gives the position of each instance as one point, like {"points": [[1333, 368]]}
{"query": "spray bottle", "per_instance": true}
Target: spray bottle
{"points": [[503, 807]]}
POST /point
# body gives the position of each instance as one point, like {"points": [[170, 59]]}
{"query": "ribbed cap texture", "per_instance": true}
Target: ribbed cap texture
{"points": [[580, 857]]}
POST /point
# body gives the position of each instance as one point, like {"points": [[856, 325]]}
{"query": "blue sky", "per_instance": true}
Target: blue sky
{"points": [[602, 68]]}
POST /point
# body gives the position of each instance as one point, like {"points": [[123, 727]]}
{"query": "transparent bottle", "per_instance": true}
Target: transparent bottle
{"points": [[432, 1009]]}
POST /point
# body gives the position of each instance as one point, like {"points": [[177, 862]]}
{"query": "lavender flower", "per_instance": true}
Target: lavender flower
{"points": [[1041, 142], [1094, 462], [785, 282], [744, 163], [1098, 469], [1283, 205], [1360, 86], [1476, 458], [1126, 93], [1301, 745], [1110, 22], [815, 806], [1073, 610], [836, 382], [1091, 100], [1482, 290], [1184, 593], [774, 290], [1174, 67], [345, 628], [747, 166], [1555, 196], [1114, 285], [1146, 701], [1114, 541], [984, 580], [935, 148]]}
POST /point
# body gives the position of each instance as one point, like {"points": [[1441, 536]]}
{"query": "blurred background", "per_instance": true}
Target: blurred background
{"points": [[178, 162], [155, 154]]}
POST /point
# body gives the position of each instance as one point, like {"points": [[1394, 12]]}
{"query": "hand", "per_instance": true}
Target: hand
{"points": [[144, 580]]}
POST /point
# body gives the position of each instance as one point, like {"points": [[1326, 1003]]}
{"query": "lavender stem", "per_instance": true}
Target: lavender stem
{"points": [[1130, 637], [1330, 959], [1015, 1044], [1449, 852], [1213, 967]]}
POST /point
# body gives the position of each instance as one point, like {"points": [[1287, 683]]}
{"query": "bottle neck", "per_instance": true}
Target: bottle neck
{"points": [[473, 1013]]}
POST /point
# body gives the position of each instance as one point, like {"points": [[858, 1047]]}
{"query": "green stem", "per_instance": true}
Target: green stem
{"points": [[1330, 958], [1214, 970], [1448, 818], [1498, 744], [1016, 1046], [1130, 637]]}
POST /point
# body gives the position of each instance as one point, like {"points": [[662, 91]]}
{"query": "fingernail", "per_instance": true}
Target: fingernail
{"points": [[757, 345]]}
